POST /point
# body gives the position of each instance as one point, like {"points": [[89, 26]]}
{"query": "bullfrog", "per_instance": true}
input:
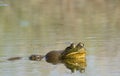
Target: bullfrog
{"points": [[74, 57]]}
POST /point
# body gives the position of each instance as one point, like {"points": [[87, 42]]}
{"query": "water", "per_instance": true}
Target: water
{"points": [[37, 27]]}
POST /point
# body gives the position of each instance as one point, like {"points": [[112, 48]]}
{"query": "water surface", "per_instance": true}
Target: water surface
{"points": [[37, 27]]}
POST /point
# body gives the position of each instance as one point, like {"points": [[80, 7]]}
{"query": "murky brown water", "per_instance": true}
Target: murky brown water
{"points": [[38, 26]]}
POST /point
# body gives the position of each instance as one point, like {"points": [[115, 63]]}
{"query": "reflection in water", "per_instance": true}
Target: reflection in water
{"points": [[73, 57], [14, 58], [38, 26], [74, 65]]}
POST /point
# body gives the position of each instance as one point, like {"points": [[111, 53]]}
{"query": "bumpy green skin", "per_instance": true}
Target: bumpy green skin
{"points": [[74, 57], [74, 52]]}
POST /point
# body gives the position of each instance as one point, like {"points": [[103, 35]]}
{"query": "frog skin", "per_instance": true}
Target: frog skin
{"points": [[74, 52], [74, 57]]}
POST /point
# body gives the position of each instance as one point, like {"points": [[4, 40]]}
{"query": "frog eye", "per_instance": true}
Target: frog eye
{"points": [[80, 45], [72, 45]]}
